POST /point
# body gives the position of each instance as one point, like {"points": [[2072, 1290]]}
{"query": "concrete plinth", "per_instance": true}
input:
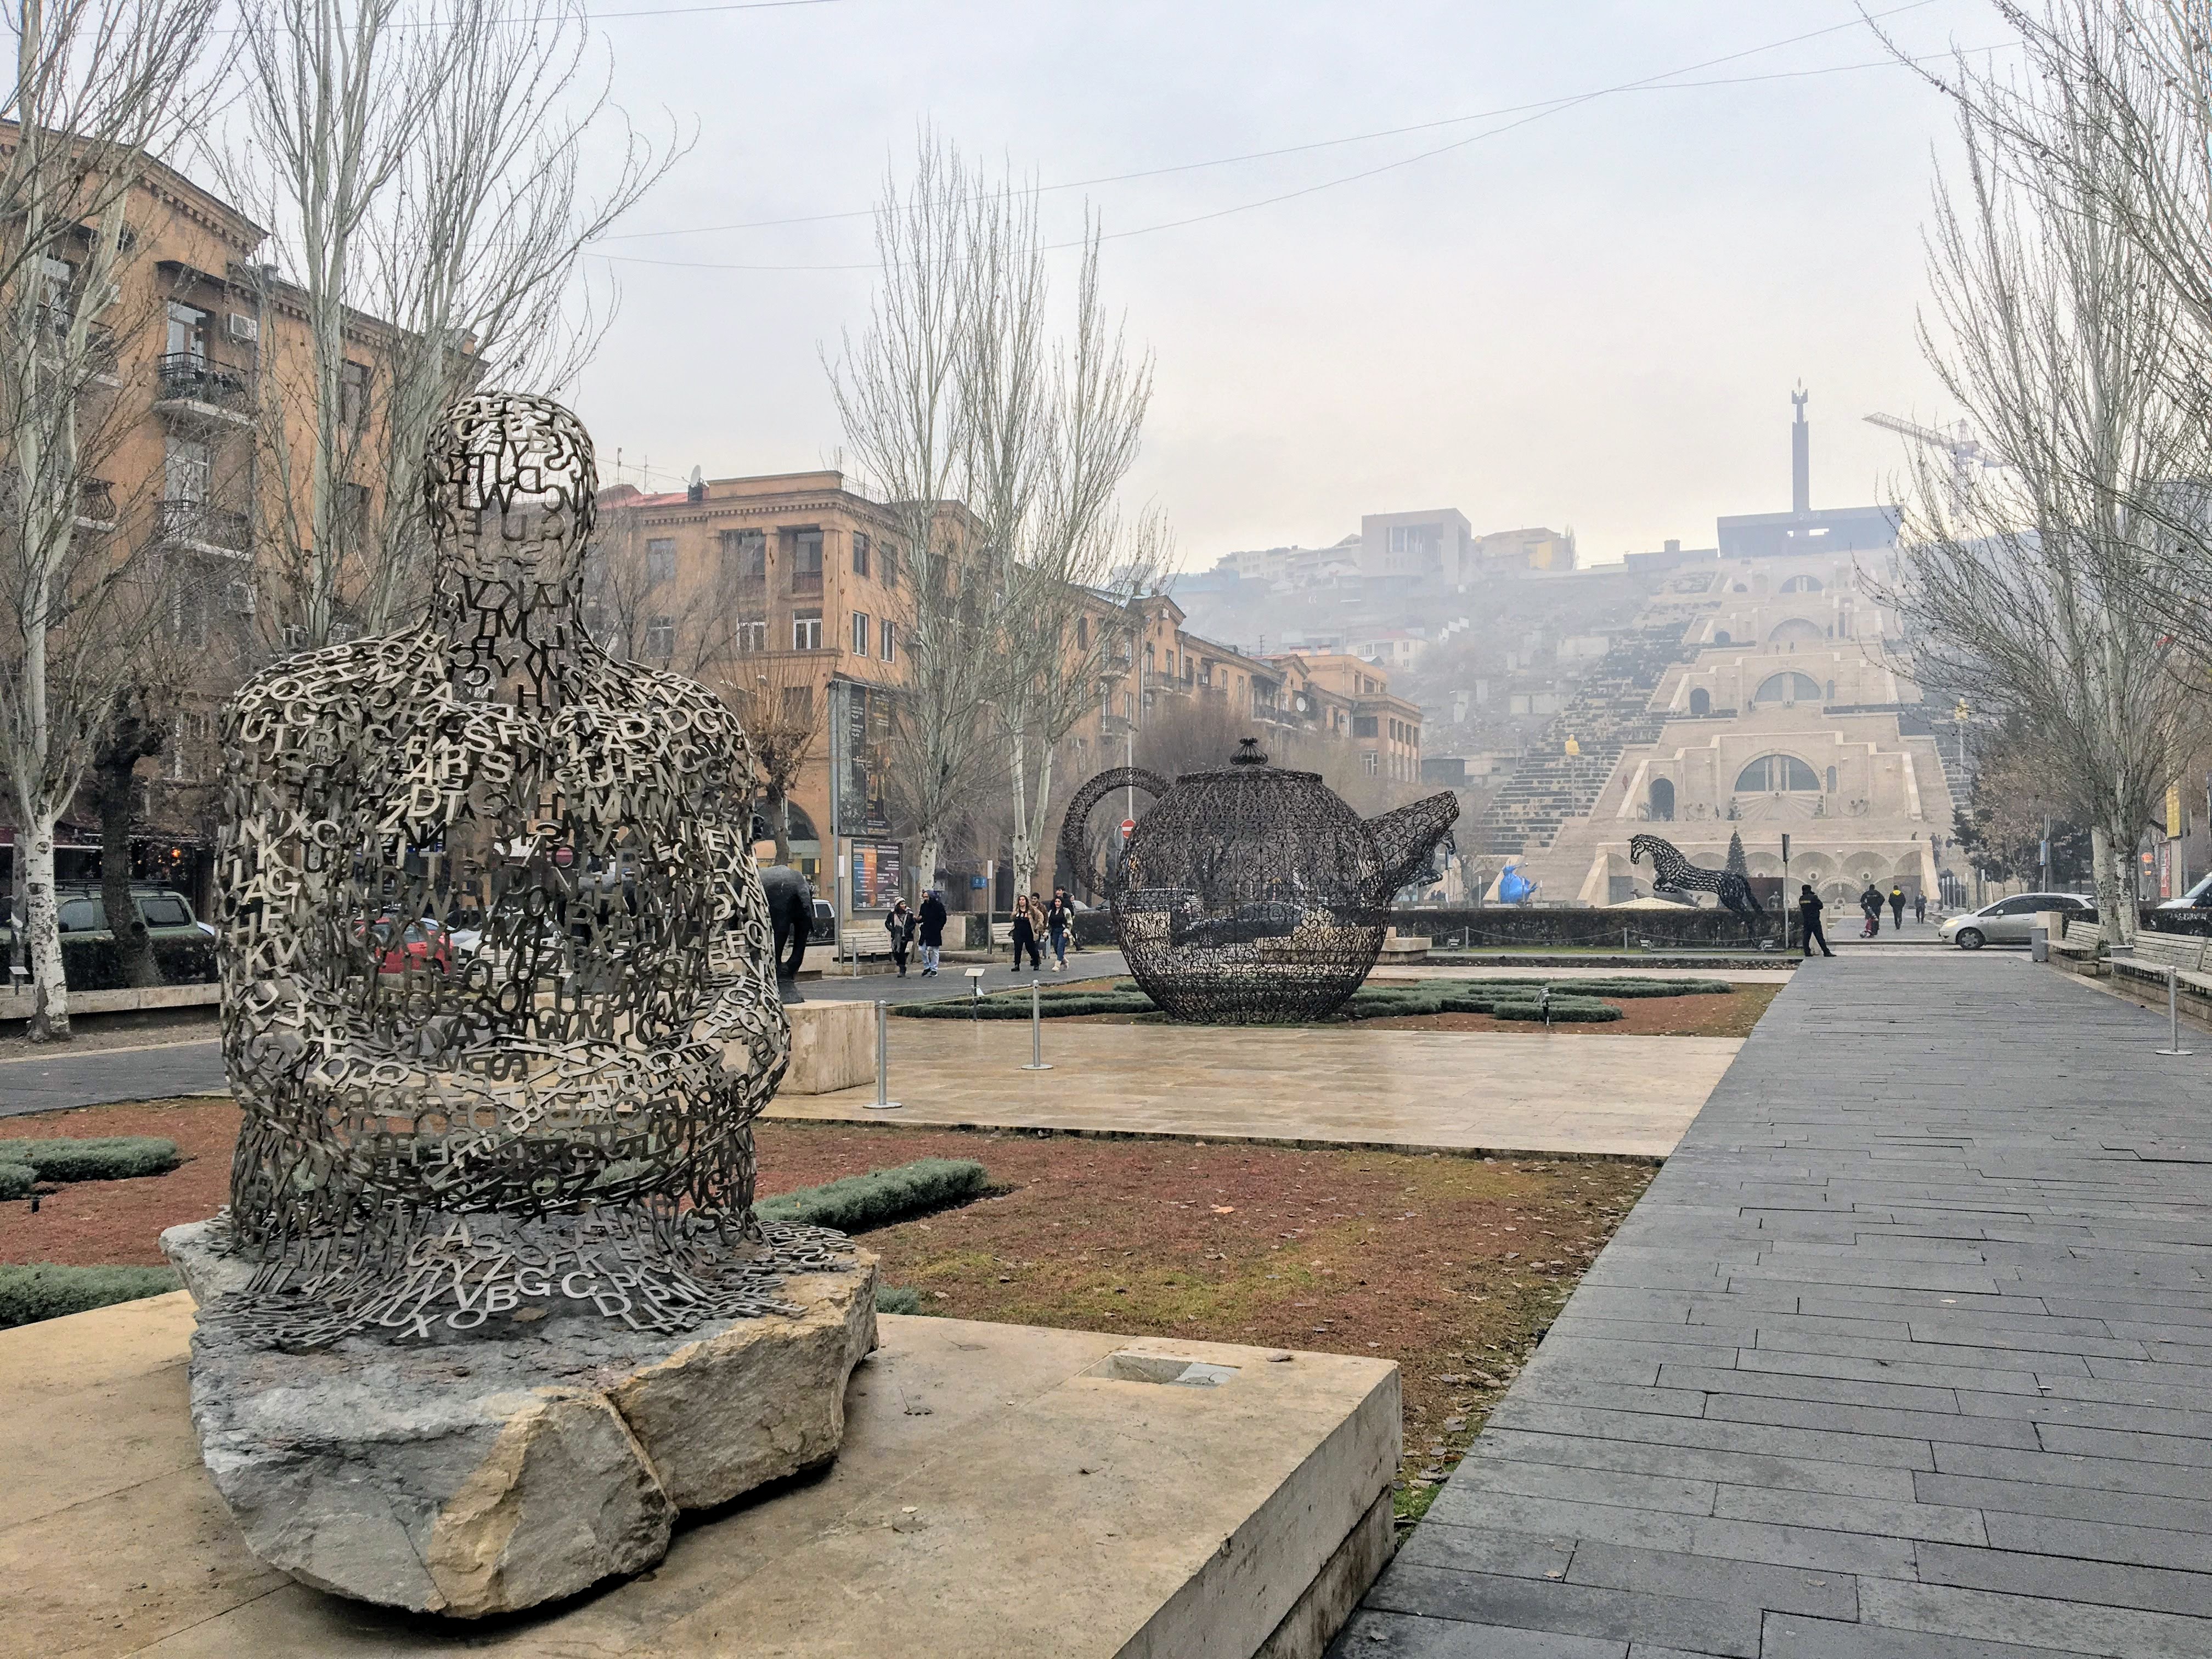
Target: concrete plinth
{"points": [[832, 1046], [1002, 1490]]}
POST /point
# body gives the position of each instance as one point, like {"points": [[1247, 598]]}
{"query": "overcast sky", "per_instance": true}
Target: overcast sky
{"points": [[1590, 319]]}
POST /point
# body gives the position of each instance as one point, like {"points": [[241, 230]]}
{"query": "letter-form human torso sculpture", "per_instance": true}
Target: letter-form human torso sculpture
{"points": [[439, 1137]]}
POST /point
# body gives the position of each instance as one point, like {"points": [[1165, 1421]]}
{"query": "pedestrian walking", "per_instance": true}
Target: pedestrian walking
{"points": [[1808, 921], [1870, 907], [1058, 922], [932, 931], [900, 925], [1029, 918], [1896, 907], [1920, 906]]}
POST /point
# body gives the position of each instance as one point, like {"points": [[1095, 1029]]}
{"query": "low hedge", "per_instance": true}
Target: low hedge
{"points": [[16, 1180], [879, 1198], [1053, 1004], [44, 1291], [897, 1299], [101, 1157]]}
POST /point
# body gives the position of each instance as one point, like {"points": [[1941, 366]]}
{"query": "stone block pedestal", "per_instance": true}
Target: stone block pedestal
{"points": [[833, 1046], [475, 1477]]}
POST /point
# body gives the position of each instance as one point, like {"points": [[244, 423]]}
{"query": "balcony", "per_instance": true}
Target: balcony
{"points": [[805, 584], [96, 505], [203, 529], [194, 388]]}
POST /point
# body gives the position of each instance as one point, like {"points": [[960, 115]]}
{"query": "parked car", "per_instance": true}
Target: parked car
{"points": [[184, 945], [421, 944], [2008, 920], [2198, 897]]}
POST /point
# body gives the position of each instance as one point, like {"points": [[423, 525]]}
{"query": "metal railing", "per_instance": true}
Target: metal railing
{"points": [[198, 522], [188, 377]]}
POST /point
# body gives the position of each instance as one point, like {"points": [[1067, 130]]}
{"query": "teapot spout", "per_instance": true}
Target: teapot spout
{"points": [[1407, 838]]}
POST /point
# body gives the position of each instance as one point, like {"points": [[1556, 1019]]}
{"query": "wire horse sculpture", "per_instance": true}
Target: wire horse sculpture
{"points": [[441, 1140], [1250, 895], [1673, 872]]}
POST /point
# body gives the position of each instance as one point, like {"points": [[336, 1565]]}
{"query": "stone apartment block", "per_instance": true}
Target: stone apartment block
{"points": [[201, 444]]}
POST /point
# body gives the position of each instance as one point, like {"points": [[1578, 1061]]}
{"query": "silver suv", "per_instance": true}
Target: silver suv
{"points": [[2008, 920]]}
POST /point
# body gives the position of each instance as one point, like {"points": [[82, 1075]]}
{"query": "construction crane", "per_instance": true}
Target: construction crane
{"points": [[1967, 453]]}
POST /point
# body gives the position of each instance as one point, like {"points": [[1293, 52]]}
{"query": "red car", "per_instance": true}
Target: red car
{"points": [[421, 944]]}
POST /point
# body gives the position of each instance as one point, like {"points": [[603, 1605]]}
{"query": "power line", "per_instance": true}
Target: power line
{"points": [[1542, 111]]}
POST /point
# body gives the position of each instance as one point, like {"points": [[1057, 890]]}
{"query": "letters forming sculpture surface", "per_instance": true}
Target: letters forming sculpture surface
{"points": [[498, 994]]}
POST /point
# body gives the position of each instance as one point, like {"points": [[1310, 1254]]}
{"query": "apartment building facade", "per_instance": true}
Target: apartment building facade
{"points": [[199, 447]]}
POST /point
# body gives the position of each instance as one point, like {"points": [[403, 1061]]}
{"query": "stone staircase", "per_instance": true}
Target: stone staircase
{"points": [[1612, 710]]}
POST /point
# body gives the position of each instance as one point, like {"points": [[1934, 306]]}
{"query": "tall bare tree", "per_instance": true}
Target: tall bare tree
{"points": [[101, 88], [773, 694], [420, 164], [898, 387], [2052, 328]]}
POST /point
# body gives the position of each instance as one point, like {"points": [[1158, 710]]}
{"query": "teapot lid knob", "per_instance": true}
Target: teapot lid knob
{"points": [[1248, 753]]}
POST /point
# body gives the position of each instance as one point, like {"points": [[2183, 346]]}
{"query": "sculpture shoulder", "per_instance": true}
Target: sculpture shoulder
{"points": [[287, 717], [711, 723]]}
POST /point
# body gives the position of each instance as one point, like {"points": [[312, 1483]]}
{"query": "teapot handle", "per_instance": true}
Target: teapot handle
{"points": [[1074, 846]]}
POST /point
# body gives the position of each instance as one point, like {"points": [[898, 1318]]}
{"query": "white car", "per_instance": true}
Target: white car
{"points": [[2008, 920]]}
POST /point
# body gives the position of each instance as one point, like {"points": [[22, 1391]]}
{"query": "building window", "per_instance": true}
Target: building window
{"points": [[1789, 688], [660, 560], [1128, 706], [1770, 773], [807, 562], [1363, 725], [745, 554], [859, 554], [1082, 633], [353, 396], [859, 634], [887, 636], [753, 636], [1371, 761], [887, 564], [186, 472], [799, 705], [660, 638], [188, 330], [806, 629]]}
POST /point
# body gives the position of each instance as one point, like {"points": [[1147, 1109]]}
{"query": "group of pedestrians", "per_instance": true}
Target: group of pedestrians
{"points": [[1870, 904], [1034, 921]]}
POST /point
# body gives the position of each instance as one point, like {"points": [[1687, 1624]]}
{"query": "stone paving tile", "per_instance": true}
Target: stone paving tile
{"points": [[1906, 1354]]}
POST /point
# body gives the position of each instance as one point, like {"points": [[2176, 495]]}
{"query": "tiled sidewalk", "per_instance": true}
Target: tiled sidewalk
{"points": [[1906, 1354]]}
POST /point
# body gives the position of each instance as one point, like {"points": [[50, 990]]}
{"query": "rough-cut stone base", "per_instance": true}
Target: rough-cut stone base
{"points": [[482, 1477], [833, 1046]]}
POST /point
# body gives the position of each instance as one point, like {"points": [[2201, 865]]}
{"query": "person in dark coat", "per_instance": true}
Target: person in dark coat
{"points": [[1920, 906], [1896, 907], [1027, 914], [1808, 921], [900, 925], [1870, 907], [1058, 922], [932, 931]]}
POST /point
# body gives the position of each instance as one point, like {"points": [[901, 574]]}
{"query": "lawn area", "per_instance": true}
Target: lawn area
{"points": [[1452, 1266]]}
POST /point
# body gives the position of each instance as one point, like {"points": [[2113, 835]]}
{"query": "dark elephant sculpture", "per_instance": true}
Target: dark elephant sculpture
{"points": [[791, 907]]}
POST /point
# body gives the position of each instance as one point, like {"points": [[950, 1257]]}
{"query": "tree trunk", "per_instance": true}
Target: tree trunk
{"points": [[2108, 886], [134, 949], [931, 848], [48, 1020], [779, 826], [2121, 837]]}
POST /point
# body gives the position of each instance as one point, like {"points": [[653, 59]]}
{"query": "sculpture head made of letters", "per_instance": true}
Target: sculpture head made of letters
{"points": [[498, 992]]}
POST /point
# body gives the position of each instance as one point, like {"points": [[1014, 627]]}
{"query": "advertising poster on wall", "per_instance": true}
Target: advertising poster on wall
{"points": [[876, 873]]}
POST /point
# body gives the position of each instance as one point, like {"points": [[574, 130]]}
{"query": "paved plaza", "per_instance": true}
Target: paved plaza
{"points": [[1500, 1092], [1906, 1354]]}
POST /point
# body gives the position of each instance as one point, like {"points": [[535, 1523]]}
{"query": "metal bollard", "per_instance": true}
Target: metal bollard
{"points": [[883, 1059], [1036, 1032], [2174, 1015]]}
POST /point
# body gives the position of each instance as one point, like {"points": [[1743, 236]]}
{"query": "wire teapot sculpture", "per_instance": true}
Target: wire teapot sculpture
{"points": [[1252, 895]]}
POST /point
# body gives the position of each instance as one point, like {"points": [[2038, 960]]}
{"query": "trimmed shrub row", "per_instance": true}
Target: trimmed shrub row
{"points": [[879, 1198], [898, 1299], [1573, 1000], [16, 1180], [1054, 1005], [44, 1291], [102, 1157]]}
